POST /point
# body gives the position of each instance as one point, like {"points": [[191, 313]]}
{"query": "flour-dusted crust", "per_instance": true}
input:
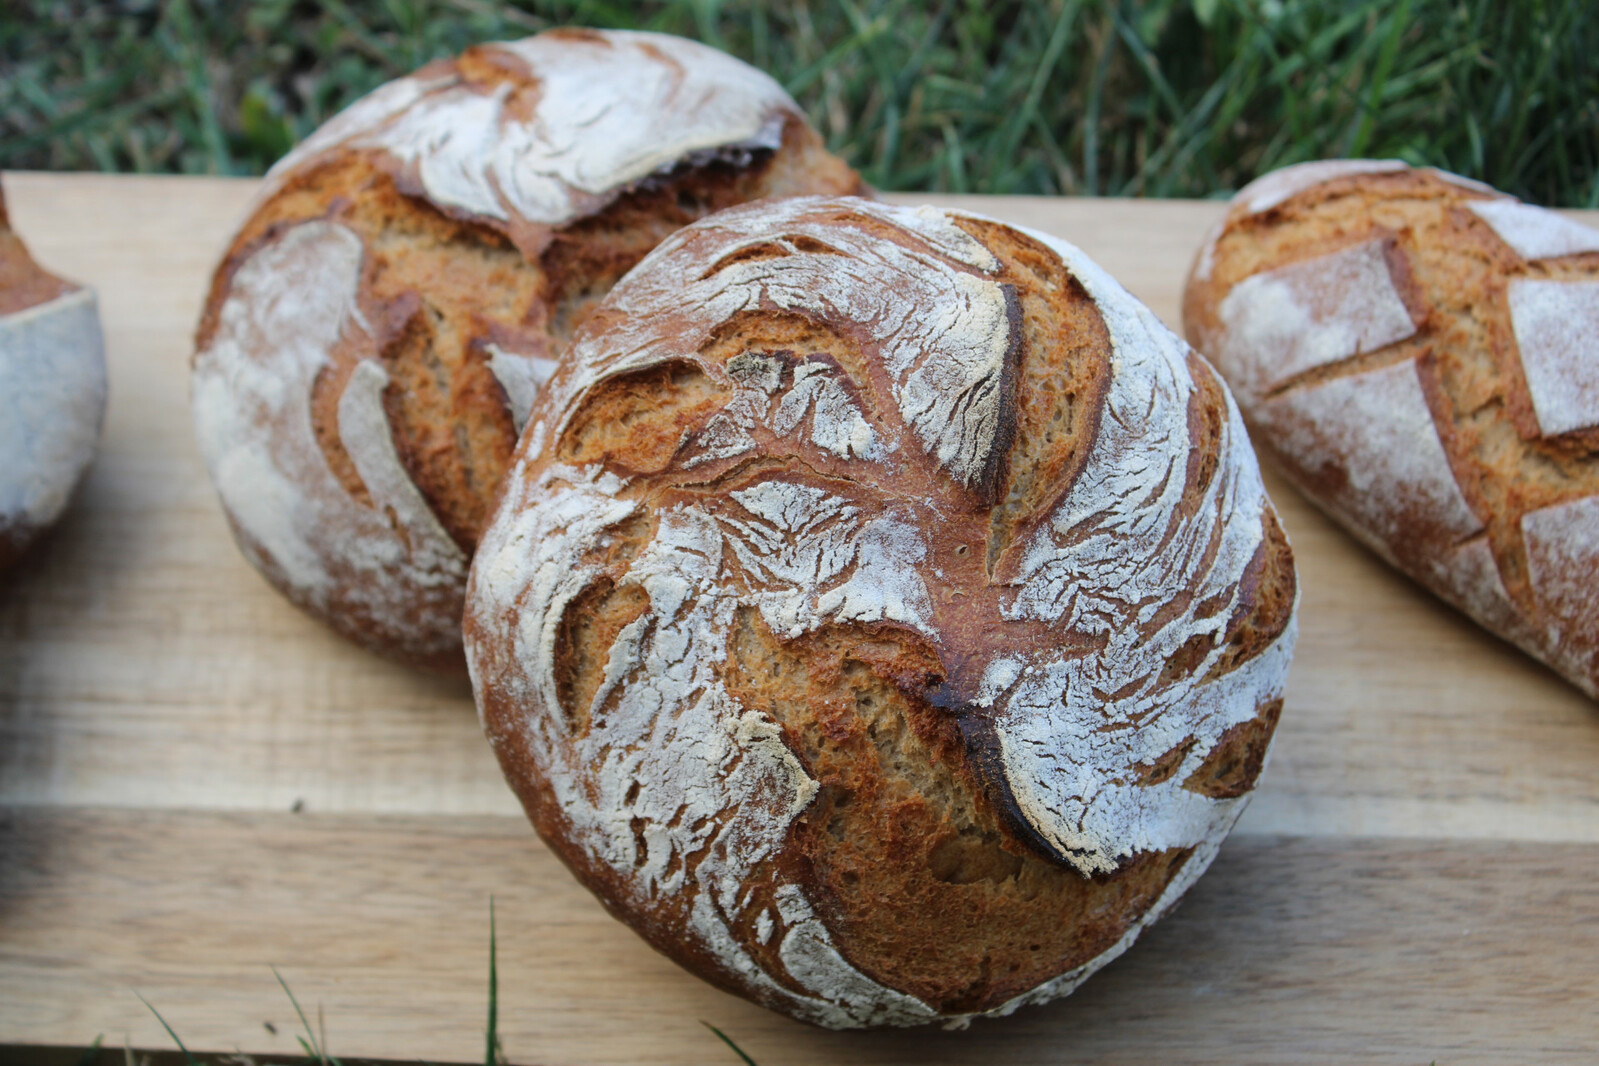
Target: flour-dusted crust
{"points": [[52, 392], [883, 614], [407, 278], [1421, 353]]}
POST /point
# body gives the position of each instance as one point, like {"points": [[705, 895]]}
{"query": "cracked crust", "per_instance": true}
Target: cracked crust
{"points": [[491, 201], [1418, 353], [52, 392], [886, 619]]}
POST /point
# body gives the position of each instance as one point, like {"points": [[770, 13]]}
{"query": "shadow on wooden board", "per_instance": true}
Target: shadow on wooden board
{"points": [[37, 1055]]}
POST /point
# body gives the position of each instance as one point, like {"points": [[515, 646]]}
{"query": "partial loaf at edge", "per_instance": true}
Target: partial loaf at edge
{"points": [[883, 615], [1421, 354], [52, 392], [408, 276]]}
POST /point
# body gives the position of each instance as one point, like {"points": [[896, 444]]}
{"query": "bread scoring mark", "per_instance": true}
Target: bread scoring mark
{"points": [[1534, 232], [670, 758], [808, 549], [1117, 554], [1470, 578], [1373, 440], [1281, 323], [1561, 562], [815, 394], [521, 376], [1506, 380], [944, 335], [1556, 324], [52, 401], [588, 136], [364, 431], [391, 569]]}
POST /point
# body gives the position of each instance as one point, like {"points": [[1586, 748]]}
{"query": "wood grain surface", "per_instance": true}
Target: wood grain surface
{"points": [[197, 782]]}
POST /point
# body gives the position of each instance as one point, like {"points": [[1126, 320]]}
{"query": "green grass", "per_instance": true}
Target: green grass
{"points": [[315, 1050], [1096, 97]]}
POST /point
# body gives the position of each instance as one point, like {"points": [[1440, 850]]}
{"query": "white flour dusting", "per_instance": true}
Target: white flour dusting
{"points": [[391, 567], [1376, 429], [1283, 322], [1557, 332], [608, 112], [675, 785], [521, 376], [1269, 190], [1561, 561], [1535, 233], [52, 401]]}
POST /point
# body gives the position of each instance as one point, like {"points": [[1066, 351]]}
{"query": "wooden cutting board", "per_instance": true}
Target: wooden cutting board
{"points": [[197, 782]]}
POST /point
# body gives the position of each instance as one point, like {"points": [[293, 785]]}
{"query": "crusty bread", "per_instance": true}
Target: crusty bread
{"points": [[52, 392], [408, 277], [883, 616], [1421, 354]]}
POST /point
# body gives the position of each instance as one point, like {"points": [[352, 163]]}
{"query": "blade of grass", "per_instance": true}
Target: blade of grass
{"points": [[187, 1057], [92, 1052], [1399, 19], [492, 1055], [724, 1038], [313, 1049]]}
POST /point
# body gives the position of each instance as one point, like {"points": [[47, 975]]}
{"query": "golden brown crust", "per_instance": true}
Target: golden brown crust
{"points": [[443, 289], [926, 887], [1452, 271], [757, 517], [23, 283]]}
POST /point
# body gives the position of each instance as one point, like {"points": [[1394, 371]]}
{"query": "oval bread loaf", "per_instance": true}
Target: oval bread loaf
{"points": [[1421, 354], [408, 276], [884, 616], [52, 392]]}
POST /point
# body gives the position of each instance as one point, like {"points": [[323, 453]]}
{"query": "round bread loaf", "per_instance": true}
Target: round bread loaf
{"points": [[884, 616], [410, 274], [1421, 355], [52, 392]]}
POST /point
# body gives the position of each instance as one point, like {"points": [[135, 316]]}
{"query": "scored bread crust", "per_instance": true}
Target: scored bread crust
{"points": [[883, 615], [52, 392], [406, 280], [1418, 352]]}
